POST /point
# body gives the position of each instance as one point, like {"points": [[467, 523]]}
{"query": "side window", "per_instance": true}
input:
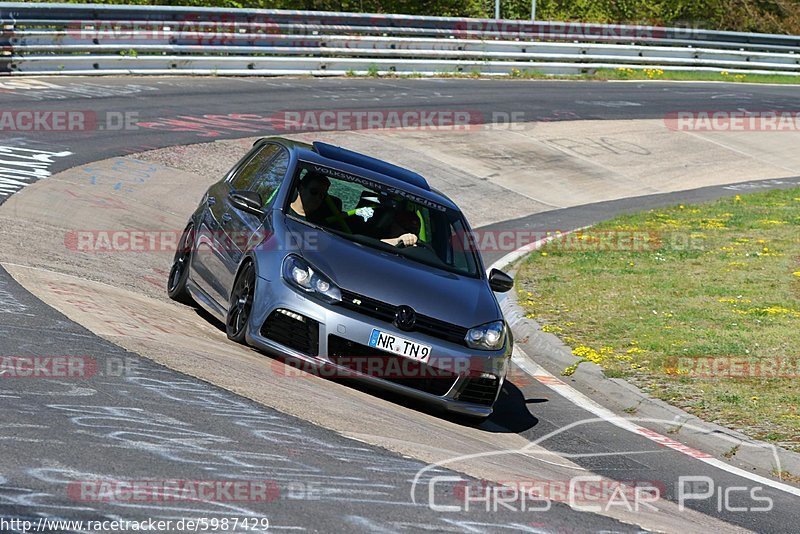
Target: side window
{"points": [[460, 250], [269, 179], [246, 176]]}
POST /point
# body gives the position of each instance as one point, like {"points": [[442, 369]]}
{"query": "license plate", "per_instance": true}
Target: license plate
{"points": [[398, 345]]}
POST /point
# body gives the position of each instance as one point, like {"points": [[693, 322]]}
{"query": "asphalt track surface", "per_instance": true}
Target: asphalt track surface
{"points": [[137, 425]]}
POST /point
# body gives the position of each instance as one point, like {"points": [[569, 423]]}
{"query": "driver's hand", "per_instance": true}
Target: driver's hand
{"points": [[408, 240]]}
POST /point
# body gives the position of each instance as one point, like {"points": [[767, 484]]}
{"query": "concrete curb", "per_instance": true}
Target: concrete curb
{"points": [[623, 398]]}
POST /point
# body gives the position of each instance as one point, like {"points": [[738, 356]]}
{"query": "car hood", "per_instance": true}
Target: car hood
{"points": [[446, 296]]}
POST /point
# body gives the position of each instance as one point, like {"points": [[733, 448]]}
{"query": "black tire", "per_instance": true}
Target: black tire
{"points": [[241, 304], [179, 273]]}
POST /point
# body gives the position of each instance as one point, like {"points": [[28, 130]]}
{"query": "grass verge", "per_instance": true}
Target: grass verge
{"points": [[622, 73], [699, 305]]}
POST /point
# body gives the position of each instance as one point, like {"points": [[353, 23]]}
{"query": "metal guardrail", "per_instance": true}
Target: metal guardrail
{"points": [[113, 39]]}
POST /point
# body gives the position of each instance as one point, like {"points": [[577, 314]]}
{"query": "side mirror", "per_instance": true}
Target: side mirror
{"points": [[247, 201], [499, 281]]}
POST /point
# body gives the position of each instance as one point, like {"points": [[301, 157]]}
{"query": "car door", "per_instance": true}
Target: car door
{"points": [[262, 175], [205, 260], [212, 257]]}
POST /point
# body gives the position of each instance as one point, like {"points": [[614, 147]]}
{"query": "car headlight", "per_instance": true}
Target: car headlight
{"points": [[489, 336], [302, 275]]}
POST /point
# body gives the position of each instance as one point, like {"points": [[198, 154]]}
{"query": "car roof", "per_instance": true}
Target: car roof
{"points": [[366, 166]]}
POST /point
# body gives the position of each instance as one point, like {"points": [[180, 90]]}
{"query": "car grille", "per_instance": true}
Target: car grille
{"points": [[292, 330], [389, 367], [479, 390], [385, 312]]}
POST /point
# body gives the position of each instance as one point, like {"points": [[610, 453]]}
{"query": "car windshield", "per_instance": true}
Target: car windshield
{"points": [[382, 217]]}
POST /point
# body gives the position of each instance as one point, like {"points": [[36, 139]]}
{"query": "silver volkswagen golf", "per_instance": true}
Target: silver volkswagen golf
{"points": [[350, 266]]}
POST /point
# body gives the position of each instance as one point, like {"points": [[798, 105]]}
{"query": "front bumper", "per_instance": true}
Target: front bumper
{"points": [[458, 366]]}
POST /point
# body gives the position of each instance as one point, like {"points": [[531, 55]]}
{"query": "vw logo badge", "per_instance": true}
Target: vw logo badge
{"points": [[405, 317]]}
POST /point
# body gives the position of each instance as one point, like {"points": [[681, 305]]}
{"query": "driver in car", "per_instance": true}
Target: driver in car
{"points": [[311, 193], [405, 225]]}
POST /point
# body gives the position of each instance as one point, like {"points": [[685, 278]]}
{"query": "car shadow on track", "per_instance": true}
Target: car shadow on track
{"points": [[511, 413], [210, 319]]}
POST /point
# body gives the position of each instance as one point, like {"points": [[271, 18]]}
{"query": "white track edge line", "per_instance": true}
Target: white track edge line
{"points": [[579, 399]]}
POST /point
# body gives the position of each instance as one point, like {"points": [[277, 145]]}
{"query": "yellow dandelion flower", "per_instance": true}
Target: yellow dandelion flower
{"points": [[552, 329]]}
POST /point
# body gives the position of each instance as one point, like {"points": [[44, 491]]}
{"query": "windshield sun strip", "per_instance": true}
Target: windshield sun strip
{"points": [[372, 184]]}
